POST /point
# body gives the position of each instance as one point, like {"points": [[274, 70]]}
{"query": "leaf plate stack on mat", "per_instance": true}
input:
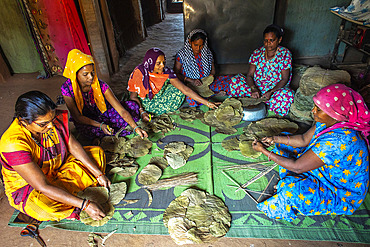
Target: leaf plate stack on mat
{"points": [[196, 217]]}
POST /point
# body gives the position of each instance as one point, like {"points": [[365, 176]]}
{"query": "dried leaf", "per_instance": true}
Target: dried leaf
{"points": [[190, 113], [99, 195], [247, 150], [159, 161], [112, 144], [230, 144], [137, 147], [117, 192], [124, 167], [162, 123], [149, 175], [177, 154], [204, 90]]}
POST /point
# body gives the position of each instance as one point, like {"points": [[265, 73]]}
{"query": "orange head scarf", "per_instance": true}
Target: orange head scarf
{"points": [[75, 61]]}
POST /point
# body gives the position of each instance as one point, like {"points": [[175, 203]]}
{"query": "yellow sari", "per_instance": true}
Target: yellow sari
{"points": [[61, 169]]}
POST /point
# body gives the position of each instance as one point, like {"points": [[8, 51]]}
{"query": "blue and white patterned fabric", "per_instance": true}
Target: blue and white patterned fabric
{"points": [[358, 10], [338, 187], [191, 66]]}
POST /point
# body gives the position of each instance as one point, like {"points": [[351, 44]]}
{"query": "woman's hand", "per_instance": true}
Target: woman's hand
{"points": [[94, 211], [212, 105], [142, 133], [255, 92], [145, 116], [267, 95], [106, 129], [104, 181], [256, 145], [195, 82], [268, 141]]}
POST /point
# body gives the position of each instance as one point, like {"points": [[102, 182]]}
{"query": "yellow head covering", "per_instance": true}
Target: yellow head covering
{"points": [[75, 61]]}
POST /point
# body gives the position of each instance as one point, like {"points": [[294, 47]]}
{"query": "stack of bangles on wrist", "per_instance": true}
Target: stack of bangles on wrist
{"points": [[141, 114], [101, 125], [99, 176], [84, 206], [136, 128]]}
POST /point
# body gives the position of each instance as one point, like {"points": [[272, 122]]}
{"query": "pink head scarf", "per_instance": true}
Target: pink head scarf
{"points": [[345, 105]]}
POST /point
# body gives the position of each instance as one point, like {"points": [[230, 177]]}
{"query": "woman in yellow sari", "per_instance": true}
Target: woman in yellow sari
{"points": [[44, 166]]}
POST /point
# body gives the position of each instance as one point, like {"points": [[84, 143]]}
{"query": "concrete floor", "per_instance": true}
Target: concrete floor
{"points": [[21, 83]]}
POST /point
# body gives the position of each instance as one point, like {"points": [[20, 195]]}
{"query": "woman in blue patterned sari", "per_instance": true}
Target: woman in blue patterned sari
{"points": [[325, 170]]}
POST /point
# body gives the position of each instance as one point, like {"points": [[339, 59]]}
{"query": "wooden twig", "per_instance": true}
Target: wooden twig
{"points": [[234, 186], [246, 192], [266, 188], [258, 176], [183, 179]]}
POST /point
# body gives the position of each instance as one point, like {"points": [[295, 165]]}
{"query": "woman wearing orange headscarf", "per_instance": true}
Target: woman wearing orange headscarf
{"points": [[95, 110], [156, 88]]}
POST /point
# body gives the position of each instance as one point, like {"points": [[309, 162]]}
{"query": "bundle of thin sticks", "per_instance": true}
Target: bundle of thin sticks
{"points": [[182, 179], [254, 165]]}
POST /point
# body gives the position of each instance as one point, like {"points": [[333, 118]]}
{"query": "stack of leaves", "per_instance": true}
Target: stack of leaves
{"points": [[162, 123], [267, 127], [149, 175], [125, 167], [99, 195], [203, 90], [113, 145], [117, 147], [246, 101], [190, 113], [177, 154], [137, 147], [196, 217], [228, 114], [258, 130]]}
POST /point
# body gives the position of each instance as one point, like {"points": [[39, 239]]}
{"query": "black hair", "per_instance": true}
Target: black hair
{"points": [[198, 35], [273, 28], [31, 105]]}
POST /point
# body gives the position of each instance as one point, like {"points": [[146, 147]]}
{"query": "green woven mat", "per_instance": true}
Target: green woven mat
{"points": [[208, 160]]}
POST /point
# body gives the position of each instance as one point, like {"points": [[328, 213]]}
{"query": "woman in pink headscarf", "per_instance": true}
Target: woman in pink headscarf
{"points": [[325, 170]]}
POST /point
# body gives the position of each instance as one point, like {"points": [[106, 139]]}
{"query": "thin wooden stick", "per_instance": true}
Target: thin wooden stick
{"points": [[258, 176], [266, 187], [234, 186], [246, 192]]}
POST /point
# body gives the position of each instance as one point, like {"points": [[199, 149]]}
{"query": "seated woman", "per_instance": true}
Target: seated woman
{"points": [[325, 170], [269, 74], [157, 86], [195, 62], [94, 108], [44, 166]]}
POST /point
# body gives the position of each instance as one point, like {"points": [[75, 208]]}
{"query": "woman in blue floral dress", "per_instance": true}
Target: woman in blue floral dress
{"points": [[325, 170], [269, 74]]}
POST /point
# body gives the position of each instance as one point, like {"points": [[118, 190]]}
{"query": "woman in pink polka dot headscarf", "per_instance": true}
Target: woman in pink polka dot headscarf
{"points": [[344, 105], [326, 169]]}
